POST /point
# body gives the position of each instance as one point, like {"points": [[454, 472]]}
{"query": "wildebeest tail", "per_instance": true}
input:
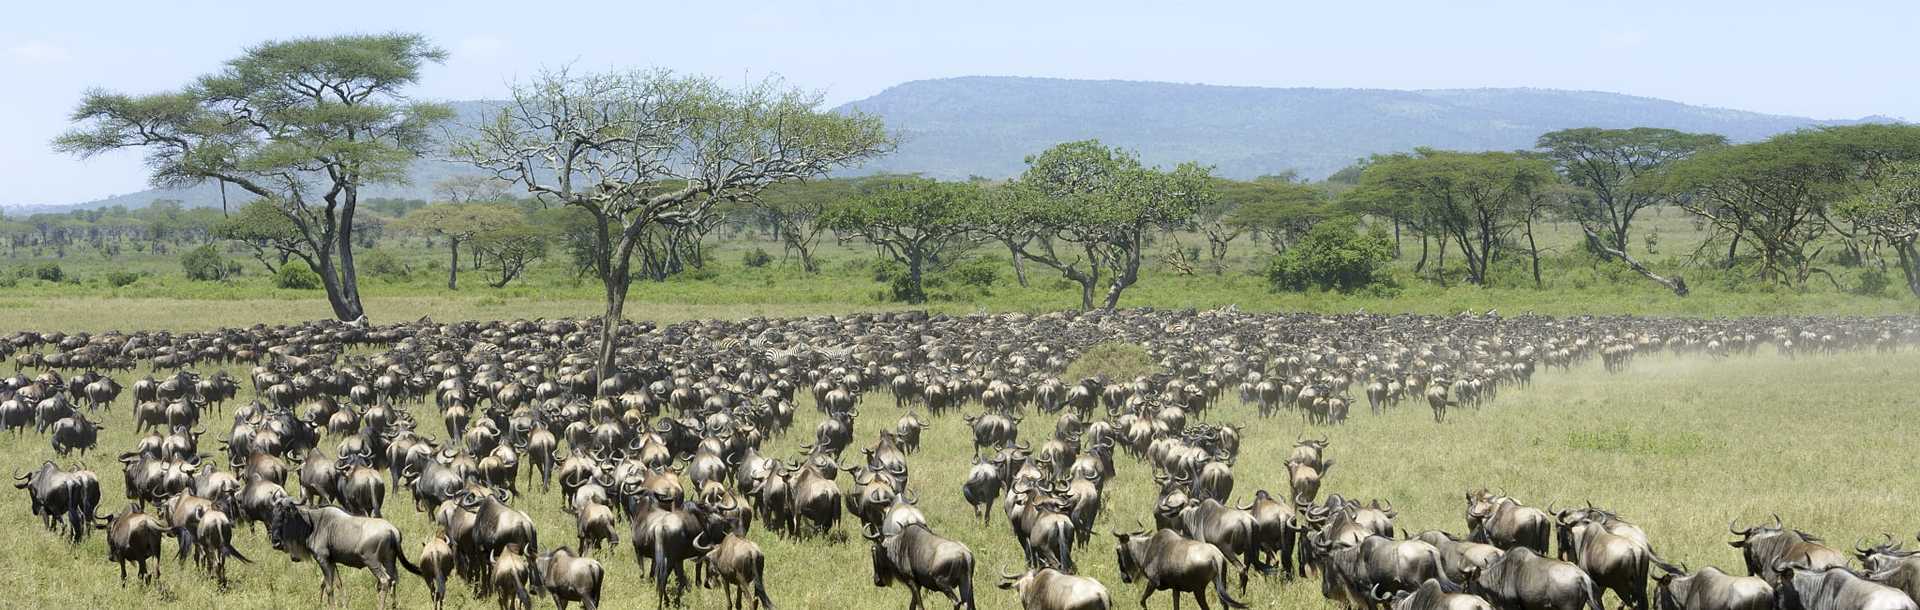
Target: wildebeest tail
{"points": [[401, 554], [235, 553], [1066, 551], [1440, 573], [660, 567], [1220, 588], [1593, 595], [760, 591]]}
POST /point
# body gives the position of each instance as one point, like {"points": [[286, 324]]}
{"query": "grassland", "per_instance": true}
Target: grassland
{"points": [[1680, 445], [1573, 284]]}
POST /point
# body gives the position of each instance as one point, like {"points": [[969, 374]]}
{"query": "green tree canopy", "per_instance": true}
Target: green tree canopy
{"points": [[916, 221], [459, 223], [303, 123]]}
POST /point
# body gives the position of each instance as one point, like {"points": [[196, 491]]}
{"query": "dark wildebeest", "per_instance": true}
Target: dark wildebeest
{"points": [[1709, 589], [1233, 531], [1615, 562], [1521, 578], [1889, 565], [921, 559], [512, 578], [1355, 574], [1049, 589], [1833, 588], [1458, 557], [133, 535], [569, 578], [1168, 561], [330, 536], [1501, 521], [214, 540], [741, 569], [1765, 546], [1433, 595], [982, 486], [437, 563]]}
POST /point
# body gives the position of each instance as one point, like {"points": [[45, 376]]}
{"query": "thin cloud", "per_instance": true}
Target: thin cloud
{"points": [[37, 52]]}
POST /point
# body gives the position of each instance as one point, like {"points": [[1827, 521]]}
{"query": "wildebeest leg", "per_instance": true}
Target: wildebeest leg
{"points": [[185, 536], [123, 573], [913, 602], [1147, 594]]}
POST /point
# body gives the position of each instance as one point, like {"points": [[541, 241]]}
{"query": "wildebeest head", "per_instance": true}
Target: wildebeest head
{"points": [[289, 531]]}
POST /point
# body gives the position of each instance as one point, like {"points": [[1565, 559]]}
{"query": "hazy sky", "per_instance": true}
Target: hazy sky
{"points": [[1831, 59]]}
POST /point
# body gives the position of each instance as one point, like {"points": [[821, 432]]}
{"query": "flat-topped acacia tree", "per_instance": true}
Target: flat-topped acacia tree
{"points": [[649, 148], [303, 124], [1088, 211], [914, 220]]}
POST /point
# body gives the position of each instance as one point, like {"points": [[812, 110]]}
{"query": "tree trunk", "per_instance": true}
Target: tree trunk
{"points": [[1909, 264], [1678, 284], [1421, 265], [1533, 251], [453, 266], [1019, 265], [616, 287], [916, 291]]}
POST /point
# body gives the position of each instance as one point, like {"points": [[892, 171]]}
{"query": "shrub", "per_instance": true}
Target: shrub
{"points": [[978, 272], [1332, 257], [204, 264], [1873, 282], [50, 272], [122, 279], [382, 264], [296, 275], [756, 258], [1114, 361]]}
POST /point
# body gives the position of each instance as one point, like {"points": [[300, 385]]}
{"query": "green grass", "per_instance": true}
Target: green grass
{"points": [[1574, 285], [1680, 445]]}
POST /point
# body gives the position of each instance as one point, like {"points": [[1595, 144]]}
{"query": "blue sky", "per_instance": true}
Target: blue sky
{"points": [[1833, 59]]}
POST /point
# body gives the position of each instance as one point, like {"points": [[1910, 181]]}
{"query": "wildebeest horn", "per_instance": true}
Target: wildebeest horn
{"points": [[698, 546], [1776, 521], [869, 532], [1737, 532], [1374, 592], [1003, 573]]}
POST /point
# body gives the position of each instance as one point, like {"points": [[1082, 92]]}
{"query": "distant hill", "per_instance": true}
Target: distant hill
{"points": [[985, 126]]}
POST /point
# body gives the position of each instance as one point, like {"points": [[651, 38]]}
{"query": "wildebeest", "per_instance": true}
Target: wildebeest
{"points": [[1233, 531], [55, 494], [512, 579], [741, 569], [1615, 562], [1889, 565], [1459, 557], [1050, 589], [1833, 588], [1433, 595], [133, 535], [569, 578], [921, 559], [329, 536], [1501, 521], [1709, 589], [437, 563], [1521, 578], [1165, 560], [1766, 546], [1355, 574]]}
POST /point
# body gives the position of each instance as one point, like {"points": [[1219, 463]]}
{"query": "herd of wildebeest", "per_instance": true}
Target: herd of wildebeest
{"points": [[686, 442]]}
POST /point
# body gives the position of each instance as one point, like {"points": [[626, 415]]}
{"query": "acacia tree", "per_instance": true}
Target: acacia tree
{"points": [[458, 223], [639, 150], [1281, 211], [794, 213], [304, 124], [914, 220], [1618, 170], [509, 250], [1475, 199], [1088, 211]]}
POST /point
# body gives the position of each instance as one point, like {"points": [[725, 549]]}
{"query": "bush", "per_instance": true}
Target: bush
{"points": [[1332, 257], [756, 258], [382, 264], [204, 264], [50, 272], [122, 279], [978, 272], [1873, 283], [296, 275]]}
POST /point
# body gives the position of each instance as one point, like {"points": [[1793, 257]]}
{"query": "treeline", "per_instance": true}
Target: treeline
{"points": [[631, 172]]}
